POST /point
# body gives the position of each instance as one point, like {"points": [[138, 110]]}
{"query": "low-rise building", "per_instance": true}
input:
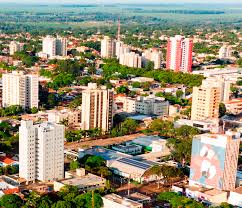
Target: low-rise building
{"points": [[83, 181], [149, 105], [72, 117], [114, 200], [128, 149], [234, 106], [235, 197]]}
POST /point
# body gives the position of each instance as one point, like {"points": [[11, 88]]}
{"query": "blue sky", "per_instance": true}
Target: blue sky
{"points": [[121, 1]]}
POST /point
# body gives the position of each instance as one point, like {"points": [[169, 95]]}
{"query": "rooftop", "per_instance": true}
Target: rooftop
{"points": [[121, 200]]}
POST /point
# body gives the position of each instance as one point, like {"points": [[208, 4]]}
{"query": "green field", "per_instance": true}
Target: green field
{"points": [[15, 16]]}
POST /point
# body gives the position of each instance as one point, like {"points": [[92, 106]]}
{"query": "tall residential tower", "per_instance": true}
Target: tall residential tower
{"points": [[97, 108], [41, 151], [20, 89], [179, 54]]}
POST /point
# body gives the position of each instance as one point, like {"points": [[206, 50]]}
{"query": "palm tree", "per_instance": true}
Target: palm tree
{"points": [[104, 172]]}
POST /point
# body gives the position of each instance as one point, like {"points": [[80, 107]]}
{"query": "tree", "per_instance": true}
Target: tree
{"points": [[34, 110], [74, 164], [155, 170], [136, 85], [52, 100], [104, 172], [11, 201], [222, 110], [179, 93], [128, 126], [61, 204], [234, 90], [122, 89], [239, 62], [165, 128]]}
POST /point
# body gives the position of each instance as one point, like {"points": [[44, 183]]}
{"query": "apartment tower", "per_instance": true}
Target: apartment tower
{"points": [[97, 108], [108, 47], [214, 160], [179, 54], [205, 102], [20, 89], [41, 151]]}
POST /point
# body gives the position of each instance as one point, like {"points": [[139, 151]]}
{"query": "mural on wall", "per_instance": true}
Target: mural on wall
{"points": [[207, 164]]}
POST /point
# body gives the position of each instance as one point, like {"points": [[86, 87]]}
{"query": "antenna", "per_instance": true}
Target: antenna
{"points": [[118, 35]]}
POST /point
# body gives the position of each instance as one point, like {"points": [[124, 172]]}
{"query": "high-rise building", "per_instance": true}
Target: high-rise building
{"points": [[179, 54], [153, 55], [225, 52], [205, 102], [121, 49], [41, 151], [131, 59], [20, 89], [222, 84], [108, 47], [15, 47], [214, 160], [97, 108], [54, 46]]}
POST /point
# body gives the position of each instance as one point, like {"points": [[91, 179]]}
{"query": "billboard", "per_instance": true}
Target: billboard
{"points": [[207, 164]]}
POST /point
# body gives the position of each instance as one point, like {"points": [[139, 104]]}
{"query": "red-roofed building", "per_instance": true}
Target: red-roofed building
{"points": [[4, 161]]}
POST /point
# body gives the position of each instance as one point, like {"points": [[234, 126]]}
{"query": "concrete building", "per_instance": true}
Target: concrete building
{"points": [[53, 46], [121, 49], [14, 47], [114, 200], [225, 52], [234, 106], [131, 59], [20, 89], [41, 151], [128, 149], [107, 47], [153, 55], [72, 117], [150, 105], [205, 102], [222, 83], [83, 181], [97, 108], [214, 160], [235, 197], [179, 54]]}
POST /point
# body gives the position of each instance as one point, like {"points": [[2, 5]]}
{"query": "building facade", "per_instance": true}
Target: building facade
{"points": [[130, 59], [179, 54], [214, 160], [205, 103], [20, 89], [153, 55], [97, 108], [15, 47], [108, 46], [53, 46], [41, 151]]}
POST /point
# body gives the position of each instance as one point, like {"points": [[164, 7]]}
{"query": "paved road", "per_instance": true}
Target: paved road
{"points": [[100, 142]]}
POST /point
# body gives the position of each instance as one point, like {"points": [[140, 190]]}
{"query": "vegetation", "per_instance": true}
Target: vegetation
{"points": [[67, 197], [126, 127]]}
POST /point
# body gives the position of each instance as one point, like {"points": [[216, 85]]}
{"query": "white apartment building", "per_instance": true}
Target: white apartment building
{"points": [[54, 46], [107, 47], [225, 52], [41, 151], [131, 59], [97, 108], [20, 89], [150, 105], [121, 49], [15, 47], [154, 56]]}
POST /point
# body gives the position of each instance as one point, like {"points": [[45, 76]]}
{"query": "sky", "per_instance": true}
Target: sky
{"points": [[120, 1]]}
